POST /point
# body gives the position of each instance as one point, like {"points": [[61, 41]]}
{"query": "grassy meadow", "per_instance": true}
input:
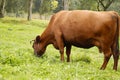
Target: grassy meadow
{"points": [[17, 61]]}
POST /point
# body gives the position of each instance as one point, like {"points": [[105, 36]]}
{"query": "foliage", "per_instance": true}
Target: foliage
{"points": [[15, 6], [83, 4], [47, 6], [36, 5], [19, 7], [115, 6], [54, 4], [17, 61], [59, 7]]}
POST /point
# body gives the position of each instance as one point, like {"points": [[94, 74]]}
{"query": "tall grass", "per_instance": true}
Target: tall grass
{"points": [[17, 61]]}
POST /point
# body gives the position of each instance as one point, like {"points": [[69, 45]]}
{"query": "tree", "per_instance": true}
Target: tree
{"points": [[59, 7], [48, 6], [54, 4], [103, 5], [16, 7], [115, 6], [30, 10], [66, 4], [45, 7], [82, 4], [75, 4], [36, 5], [2, 6]]}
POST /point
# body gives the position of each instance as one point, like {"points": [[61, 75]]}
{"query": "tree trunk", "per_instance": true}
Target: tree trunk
{"points": [[104, 5], [30, 10], [66, 4], [2, 6]]}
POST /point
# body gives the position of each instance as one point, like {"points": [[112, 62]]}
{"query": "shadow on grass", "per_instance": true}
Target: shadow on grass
{"points": [[83, 58]]}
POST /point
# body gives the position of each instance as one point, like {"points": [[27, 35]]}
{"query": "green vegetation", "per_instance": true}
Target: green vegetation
{"points": [[17, 61]]}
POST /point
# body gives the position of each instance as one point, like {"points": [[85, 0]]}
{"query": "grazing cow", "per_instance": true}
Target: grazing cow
{"points": [[84, 29]]}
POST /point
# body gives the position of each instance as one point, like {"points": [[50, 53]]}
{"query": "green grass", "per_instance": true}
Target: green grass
{"points": [[17, 61]]}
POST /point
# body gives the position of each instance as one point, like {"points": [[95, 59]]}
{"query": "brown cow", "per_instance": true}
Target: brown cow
{"points": [[84, 29]]}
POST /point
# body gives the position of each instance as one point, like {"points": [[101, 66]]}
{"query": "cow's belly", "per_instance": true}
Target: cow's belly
{"points": [[82, 43]]}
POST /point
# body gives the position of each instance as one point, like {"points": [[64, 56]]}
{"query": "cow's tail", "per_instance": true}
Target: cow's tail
{"points": [[115, 45], [116, 40], [117, 36]]}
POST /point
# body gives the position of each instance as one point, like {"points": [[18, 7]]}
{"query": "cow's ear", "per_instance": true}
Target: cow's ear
{"points": [[38, 39]]}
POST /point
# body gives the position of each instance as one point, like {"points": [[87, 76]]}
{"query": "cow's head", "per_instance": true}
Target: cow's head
{"points": [[38, 46]]}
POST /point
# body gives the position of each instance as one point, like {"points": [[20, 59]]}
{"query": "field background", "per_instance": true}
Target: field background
{"points": [[17, 61]]}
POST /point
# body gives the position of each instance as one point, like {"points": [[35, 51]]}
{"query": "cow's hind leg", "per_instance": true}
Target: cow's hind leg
{"points": [[107, 55], [115, 56], [68, 51]]}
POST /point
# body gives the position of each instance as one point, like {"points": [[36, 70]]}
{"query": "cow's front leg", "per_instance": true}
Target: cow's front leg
{"points": [[68, 51], [60, 44]]}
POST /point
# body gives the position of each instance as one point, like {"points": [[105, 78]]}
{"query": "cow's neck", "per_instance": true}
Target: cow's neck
{"points": [[46, 37]]}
